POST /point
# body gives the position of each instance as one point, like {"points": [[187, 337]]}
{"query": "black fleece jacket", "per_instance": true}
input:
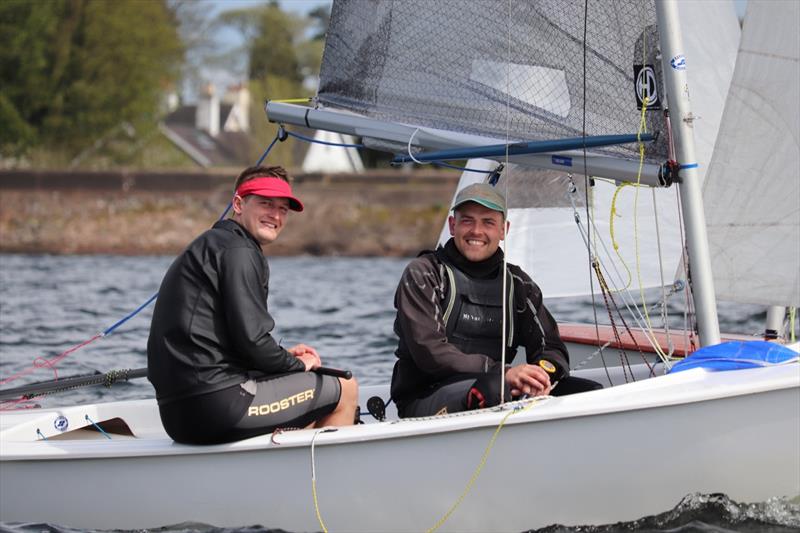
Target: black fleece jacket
{"points": [[211, 326], [424, 354]]}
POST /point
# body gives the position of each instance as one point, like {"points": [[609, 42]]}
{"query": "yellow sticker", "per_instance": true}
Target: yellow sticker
{"points": [[549, 367]]}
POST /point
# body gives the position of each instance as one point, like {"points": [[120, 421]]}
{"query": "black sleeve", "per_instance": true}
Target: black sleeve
{"points": [[242, 281], [420, 325], [539, 330]]}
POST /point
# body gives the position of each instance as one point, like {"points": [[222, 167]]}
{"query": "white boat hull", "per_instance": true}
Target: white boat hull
{"points": [[593, 458]]}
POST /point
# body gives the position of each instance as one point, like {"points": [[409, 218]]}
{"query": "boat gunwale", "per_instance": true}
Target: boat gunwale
{"points": [[659, 392]]}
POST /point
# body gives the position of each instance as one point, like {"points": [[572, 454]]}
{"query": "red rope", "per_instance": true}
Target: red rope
{"points": [[41, 362]]}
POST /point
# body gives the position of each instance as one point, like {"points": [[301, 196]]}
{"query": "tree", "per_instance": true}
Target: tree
{"points": [[73, 70], [279, 55], [270, 36]]}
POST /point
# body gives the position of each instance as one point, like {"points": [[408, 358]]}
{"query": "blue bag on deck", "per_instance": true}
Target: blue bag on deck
{"points": [[736, 355]]}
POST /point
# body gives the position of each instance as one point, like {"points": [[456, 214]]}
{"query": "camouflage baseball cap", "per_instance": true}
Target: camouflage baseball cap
{"points": [[483, 194]]}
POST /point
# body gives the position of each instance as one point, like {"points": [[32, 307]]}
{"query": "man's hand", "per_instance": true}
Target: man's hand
{"points": [[528, 379], [307, 355]]}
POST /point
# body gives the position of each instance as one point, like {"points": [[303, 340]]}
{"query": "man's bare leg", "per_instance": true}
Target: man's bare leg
{"points": [[345, 412]]}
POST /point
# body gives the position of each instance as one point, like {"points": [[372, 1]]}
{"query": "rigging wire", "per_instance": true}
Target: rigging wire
{"points": [[688, 333], [587, 182], [634, 311], [592, 235], [503, 323], [643, 128], [631, 306], [664, 312]]}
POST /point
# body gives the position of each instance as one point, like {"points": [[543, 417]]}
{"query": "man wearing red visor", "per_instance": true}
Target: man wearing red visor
{"points": [[219, 375]]}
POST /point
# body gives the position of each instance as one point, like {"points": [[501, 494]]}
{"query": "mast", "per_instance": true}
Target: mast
{"points": [[680, 113], [774, 325]]}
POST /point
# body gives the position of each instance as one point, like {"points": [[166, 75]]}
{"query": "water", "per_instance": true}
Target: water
{"points": [[341, 306]]}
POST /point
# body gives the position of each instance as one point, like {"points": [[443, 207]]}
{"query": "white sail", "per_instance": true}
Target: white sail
{"points": [[331, 158], [752, 194]]}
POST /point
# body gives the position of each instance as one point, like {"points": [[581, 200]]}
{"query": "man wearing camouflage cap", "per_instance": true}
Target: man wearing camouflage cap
{"points": [[450, 314]]}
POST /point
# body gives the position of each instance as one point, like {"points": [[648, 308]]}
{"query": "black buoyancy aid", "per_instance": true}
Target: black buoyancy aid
{"points": [[473, 311]]}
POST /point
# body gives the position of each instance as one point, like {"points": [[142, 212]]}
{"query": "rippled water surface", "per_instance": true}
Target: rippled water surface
{"points": [[341, 306]]}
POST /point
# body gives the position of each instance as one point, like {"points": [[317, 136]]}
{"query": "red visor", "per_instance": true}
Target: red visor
{"points": [[270, 188]]}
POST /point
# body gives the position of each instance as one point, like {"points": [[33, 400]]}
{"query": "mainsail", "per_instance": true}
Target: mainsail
{"points": [[543, 235], [420, 75], [498, 69], [752, 194]]}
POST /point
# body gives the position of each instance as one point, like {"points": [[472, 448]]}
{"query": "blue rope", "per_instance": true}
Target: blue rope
{"points": [[39, 432], [448, 165], [98, 427], [150, 300], [264, 155], [310, 140], [230, 204], [131, 315]]}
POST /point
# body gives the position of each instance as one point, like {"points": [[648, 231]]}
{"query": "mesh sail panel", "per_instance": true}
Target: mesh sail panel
{"points": [[498, 68]]}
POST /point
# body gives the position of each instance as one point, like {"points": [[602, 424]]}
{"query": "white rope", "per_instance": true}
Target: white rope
{"points": [[417, 161]]}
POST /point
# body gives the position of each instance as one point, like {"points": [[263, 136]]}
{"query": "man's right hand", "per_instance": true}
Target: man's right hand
{"points": [[528, 379]]}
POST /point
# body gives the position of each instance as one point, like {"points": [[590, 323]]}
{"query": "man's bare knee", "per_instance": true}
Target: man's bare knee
{"points": [[349, 396]]}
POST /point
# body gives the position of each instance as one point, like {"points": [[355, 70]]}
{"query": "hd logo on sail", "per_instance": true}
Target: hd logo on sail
{"points": [[280, 405], [646, 87]]}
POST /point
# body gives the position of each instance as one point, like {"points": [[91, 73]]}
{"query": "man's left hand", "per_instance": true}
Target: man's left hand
{"points": [[307, 354]]}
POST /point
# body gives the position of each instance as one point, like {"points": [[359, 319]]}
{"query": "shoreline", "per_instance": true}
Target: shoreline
{"points": [[378, 214]]}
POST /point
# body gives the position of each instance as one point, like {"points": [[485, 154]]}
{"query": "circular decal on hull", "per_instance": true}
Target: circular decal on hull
{"points": [[61, 423]]}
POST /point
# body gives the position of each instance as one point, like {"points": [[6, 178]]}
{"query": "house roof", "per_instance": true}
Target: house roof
{"points": [[226, 149]]}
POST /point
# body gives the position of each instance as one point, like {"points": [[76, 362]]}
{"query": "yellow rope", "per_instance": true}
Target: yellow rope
{"points": [[316, 505], [614, 242], [792, 316], [477, 471], [643, 129], [294, 101], [314, 477], [654, 342]]}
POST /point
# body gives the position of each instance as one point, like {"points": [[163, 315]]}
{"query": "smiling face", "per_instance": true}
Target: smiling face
{"points": [[262, 216], [477, 231]]}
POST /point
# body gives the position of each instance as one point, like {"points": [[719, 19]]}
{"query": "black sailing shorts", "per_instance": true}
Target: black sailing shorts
{"points": [[252, 408]]}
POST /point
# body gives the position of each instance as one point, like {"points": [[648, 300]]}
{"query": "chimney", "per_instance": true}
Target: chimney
{"points": [[207, 115], [238, 97]]}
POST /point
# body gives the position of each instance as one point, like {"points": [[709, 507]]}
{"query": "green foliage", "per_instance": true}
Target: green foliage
{"points": [[282, 50], [272, 51], [270, 36], [320, 18], [74, 70]]}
